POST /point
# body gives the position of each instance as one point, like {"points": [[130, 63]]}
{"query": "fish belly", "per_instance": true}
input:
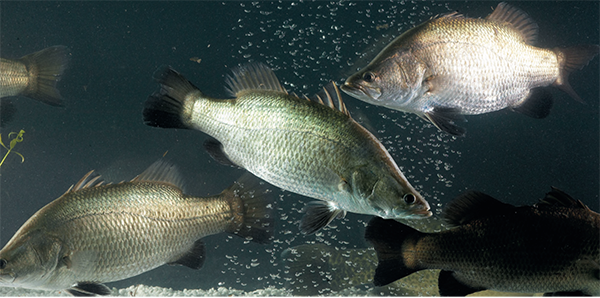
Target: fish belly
{"points": [[14, 77], [482, 76]]}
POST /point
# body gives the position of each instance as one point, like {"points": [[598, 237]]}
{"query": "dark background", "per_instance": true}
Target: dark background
{"points": [[116, 47]]}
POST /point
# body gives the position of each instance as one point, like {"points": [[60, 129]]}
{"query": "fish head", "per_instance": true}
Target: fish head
{"points": [[392, 82], [388, 196], [28, 261]]}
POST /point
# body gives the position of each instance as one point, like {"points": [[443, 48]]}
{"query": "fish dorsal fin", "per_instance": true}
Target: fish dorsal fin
{"points": [[558, 198], [253, 76], [330, 96], [518, 19], [91, 179], [450, 15], [473, 205], [161, 171]]}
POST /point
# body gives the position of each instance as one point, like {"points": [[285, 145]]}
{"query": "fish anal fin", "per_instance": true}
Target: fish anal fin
{"points": [[88, 288], [473, 205], [253, 76], [518, 19], [318, 214], [572, 59], [443, 118], [216, 151], [194, 258], [450, 286], [537, 104]]}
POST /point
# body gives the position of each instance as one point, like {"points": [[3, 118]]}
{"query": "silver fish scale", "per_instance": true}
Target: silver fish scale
{"points": [[13, 77], [290, 142], [132, 227], [479, 66]]}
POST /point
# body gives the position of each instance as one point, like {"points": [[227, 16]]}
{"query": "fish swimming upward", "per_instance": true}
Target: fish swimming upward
{"points": [[550, 247], [452, 66], [35, 75], [97, 233], [311, 148]]}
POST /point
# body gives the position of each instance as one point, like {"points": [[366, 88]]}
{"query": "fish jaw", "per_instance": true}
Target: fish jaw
{"points": [[362, 92]]}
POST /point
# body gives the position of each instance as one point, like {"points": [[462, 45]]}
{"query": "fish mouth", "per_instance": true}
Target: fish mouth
{"points": [[359, 91]]}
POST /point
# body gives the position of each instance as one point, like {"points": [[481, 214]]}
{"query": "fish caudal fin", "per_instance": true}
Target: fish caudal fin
{"points": [[571, 59], [89, 288], [252, 209], [45, 69], [166, 107], [444, 118], [389, 238]]}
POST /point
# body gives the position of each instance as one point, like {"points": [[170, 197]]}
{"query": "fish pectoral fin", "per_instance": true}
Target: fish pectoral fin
{"points": [[194, 258], [319, 214], [89, 288], [536, 105], [215, 149], [443, 118], [450, 286]]}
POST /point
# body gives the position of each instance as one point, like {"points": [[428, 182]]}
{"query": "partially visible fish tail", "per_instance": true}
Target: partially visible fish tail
{"points": [[166, 108], [391, 239], [252, 209], [572, 59], [45, 69]]}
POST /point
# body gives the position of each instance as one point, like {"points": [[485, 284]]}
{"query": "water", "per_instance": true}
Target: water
{"points": [[116, 47]]}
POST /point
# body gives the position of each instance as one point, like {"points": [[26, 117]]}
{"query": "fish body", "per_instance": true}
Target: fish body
{"points": [[452, 66], [296, 144], [551, 247], [34, 75], [97, 233]]}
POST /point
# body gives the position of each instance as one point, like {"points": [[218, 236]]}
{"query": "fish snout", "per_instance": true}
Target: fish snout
{"points": [[361, 92]]}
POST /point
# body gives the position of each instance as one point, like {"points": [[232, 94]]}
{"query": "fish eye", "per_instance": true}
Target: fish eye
{"points": [[368, 77], [409, 198], [2, 264]]}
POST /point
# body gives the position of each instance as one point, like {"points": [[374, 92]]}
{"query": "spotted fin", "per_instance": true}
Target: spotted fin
{"points": [[253, 76], [318, 214], [518, 19], [89, 288]]}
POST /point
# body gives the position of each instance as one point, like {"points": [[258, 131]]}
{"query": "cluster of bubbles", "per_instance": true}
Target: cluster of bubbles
{"points": [[309, 44]]}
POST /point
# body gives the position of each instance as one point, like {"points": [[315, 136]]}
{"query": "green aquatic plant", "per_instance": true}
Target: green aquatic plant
{"points": [[17, 139]]}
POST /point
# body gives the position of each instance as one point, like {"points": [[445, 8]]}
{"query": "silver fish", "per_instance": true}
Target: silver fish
{"points": [[35, 75], [97, 233], [311, 148], [452, 66]]}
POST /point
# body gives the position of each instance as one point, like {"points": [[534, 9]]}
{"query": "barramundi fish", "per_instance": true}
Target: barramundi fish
{"points": [[451, 66], [97, 233], [550, 247], [35, 75], [311, 148]]}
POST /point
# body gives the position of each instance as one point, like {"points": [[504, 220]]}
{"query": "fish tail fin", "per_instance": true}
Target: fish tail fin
{"points": [[45, 69], [572, 59], [252, 209], [392, 241], [168, 108]]}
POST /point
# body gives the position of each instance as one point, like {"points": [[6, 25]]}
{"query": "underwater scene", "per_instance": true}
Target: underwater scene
{"points": [[282, 148]]}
